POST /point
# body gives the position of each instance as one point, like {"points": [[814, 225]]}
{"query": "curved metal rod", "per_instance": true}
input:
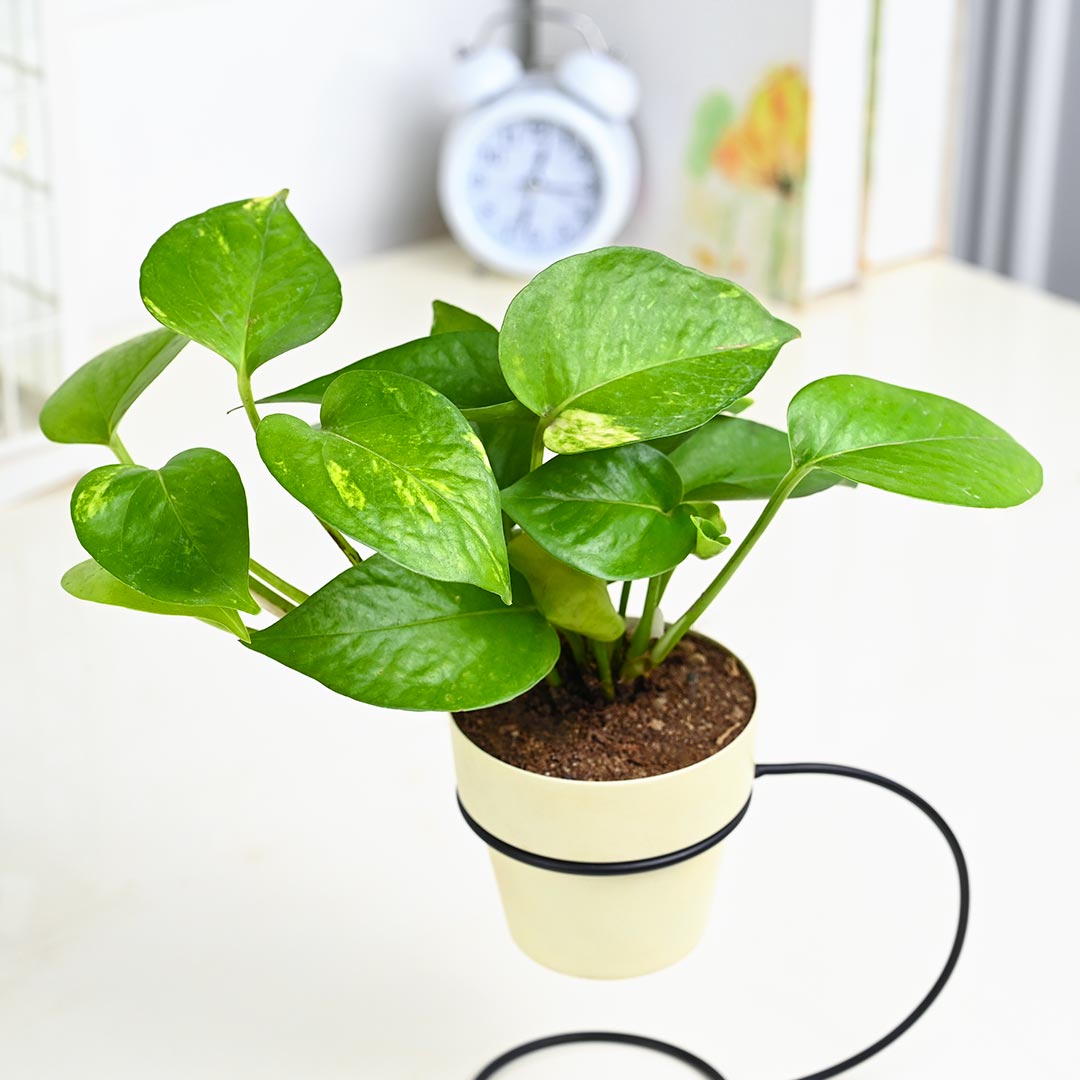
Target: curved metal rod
{"points": [[703, 1067]]}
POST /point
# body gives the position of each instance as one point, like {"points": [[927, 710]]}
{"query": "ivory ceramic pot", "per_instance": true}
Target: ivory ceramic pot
{"points": [[605, 927]]}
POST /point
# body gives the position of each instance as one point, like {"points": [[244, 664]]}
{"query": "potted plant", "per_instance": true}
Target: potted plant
{"points": [[505, 482]]}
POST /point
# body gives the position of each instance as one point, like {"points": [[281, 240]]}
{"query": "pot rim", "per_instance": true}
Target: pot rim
{"points": [[641, 781]]}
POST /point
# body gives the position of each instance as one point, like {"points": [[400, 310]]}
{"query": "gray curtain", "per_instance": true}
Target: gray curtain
{"points": [[1018, 173]]}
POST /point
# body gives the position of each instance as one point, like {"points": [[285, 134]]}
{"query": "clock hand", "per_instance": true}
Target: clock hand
{"points": [[533, 181], [525, 213], [561, 189], [543, 152]]}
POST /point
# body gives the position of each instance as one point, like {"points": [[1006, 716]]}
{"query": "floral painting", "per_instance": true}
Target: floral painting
{"points": [[746, 176]]}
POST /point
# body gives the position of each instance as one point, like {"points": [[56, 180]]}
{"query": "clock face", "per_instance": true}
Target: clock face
{"points": [[534, 186]]}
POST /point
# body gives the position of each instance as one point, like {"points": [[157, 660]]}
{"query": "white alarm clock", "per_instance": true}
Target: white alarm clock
{"points": [[537, 166]]}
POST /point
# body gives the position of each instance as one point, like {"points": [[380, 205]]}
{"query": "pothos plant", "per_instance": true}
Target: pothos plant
{"points": [[503, 479]]}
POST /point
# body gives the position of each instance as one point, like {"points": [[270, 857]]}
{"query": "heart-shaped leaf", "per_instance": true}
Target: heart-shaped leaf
{"points": [[89, 404], [396, 466], [566, 597], [463, 366], [242, 279], [731, 458], [178, 533], [88, 581], [623, 344], [909, 442], [446, 318], [382, 634], [615, 514]]}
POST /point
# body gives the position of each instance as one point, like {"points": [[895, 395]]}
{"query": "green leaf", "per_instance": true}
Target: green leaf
{"points": [[178, 534], [387, 636], [739, 406], [396, 466], [731, 458], [622, 344], [667, 443], [463, 366], [565, 596], [89, 581], [710, 537], [507, 440], [711, 528], [909, 442], [615, 514], [446, 318], [89, 404], [242, 279]]}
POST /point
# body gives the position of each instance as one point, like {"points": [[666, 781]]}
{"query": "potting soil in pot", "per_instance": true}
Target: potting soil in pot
{"points": [[685, 710]]}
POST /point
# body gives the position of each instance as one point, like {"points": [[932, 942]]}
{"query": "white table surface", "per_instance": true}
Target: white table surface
{"points": [[213, 868]]}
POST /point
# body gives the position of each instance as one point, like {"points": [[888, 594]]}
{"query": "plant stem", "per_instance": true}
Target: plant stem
{"points": [[618, 654], [120, 450], [347, 549], [665, 577], [603, 667], [536, 455], [275, 604], [577, 646], [676, 631], [243, 385], [554, 678], [291, 591], [639, 643]]}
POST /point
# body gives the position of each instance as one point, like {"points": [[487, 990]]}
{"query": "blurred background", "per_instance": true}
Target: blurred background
{"points": [[793, 145]]}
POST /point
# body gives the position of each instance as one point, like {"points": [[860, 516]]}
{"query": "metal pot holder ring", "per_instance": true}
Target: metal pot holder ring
{"points": [[657, 862]]}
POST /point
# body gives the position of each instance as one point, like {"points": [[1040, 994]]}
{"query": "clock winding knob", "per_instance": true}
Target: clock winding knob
{"points": [[483, 74], [601, 81]]}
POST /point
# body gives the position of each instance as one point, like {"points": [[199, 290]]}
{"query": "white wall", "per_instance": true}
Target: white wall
{"points": [[162, 108]]}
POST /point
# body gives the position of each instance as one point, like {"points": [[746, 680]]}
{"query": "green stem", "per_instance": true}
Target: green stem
{"points": [[120, 450], [677, 629], [279, 583], [603, 667], [664, 579], [577, 646], [536, 455], [554, 678], [243, 384], [347, 549], [276, 604], [618, 653], [639, 643]]}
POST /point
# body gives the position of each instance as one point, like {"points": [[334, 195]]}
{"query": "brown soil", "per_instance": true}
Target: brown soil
{"points": [[685, 710]]}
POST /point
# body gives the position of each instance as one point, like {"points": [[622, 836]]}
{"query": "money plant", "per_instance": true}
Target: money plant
{"points": [[495, 493]]}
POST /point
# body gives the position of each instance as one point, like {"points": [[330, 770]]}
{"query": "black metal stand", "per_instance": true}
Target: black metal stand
{"points": [[694, 1062]]}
